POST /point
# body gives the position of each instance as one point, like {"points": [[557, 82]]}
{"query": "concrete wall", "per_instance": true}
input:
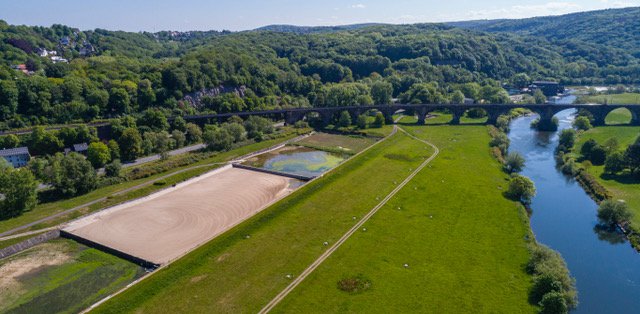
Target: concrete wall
{"points": [[19, 247], [277, 173]]}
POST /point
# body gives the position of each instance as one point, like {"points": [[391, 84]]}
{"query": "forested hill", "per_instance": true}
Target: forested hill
{"points": [[108, 74], [614, 27], [313, 29]]}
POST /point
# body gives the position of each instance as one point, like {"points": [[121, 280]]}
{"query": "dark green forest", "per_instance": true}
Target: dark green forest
{"points": [[110, 74]]}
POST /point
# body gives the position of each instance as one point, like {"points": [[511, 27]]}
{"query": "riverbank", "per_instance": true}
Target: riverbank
{"points": [[564, 217]]}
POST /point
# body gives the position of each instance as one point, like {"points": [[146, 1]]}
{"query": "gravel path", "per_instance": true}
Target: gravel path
{"points": [[351, 231]]}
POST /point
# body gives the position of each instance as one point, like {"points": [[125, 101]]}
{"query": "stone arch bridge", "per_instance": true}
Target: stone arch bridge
{"points": [[327, 114]]}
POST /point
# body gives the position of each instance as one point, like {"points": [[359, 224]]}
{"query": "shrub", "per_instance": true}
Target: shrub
{"points": [[514, 162], [553, 303], [113, 169], [355, 284], [614, 163], [551, 275], [613, 212], [521, 188], [582, 123], [301, 124], [567, 138]]}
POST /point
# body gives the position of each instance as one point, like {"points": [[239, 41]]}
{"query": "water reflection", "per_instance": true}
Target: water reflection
{"points": [[606, 268]]}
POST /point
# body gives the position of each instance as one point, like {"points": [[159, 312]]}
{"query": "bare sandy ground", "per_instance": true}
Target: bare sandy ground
{"points": [[167, 224], [46, 254]]}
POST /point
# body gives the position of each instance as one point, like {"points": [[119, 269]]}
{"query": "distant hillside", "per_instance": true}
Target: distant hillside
{"points": [[313, 29], [618, 28]]}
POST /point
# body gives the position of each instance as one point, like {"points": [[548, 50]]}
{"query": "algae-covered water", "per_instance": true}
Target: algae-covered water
{"points": [[297, 160]]}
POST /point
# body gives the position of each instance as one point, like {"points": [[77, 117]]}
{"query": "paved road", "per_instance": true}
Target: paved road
{"points": [[174, 152], [351, 231]]}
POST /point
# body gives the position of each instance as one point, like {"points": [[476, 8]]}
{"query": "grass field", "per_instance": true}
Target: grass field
{"points": [[468, 258], [47, 209], [621, 99], [462, 240], [243, 269], [618, 116], [622, 186], [60, 276], [337, 143]]}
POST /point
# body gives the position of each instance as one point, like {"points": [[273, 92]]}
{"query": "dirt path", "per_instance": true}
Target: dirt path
{"points": [[351, 231]]}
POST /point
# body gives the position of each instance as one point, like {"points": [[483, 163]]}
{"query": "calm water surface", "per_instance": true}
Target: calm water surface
{"points": [[606, 268], [299, 160]]}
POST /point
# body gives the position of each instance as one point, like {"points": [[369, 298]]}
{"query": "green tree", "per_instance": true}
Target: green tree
{"points": [[42, 142], [521, 188], [114, 149], [582, 123], [514, 162], [179, 138], [378, 122], [193, 133], [17, 190], [146, 96], [567, 138], [362, 121], [612, 212], [257, 126], [71, 175], [8, 99], [179, 124], [236, 130], [119, 101], [615, 162], [98, 154], [218, 139], [381, 92], [611, 145], [154, 119], [457, 97], [130, 144], [539, 97], [344, 120], [632, 156], [9, 141], [112, 169], [553, 303], [521, 80]]}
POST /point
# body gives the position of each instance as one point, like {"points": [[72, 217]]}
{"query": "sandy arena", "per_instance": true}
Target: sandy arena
{"points": [[167, 224]]}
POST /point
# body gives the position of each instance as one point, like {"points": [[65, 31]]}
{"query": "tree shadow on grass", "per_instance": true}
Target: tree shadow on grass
{"points": [[624, 178]]}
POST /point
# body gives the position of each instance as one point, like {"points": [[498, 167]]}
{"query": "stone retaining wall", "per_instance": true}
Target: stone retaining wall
{"points": [[19, 247]]}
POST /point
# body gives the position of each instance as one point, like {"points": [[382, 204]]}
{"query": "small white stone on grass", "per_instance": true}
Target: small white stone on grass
{"points": [[354, 217], [288, 276], [364, 229], [247, 236], [325, 243], [406, 265]]}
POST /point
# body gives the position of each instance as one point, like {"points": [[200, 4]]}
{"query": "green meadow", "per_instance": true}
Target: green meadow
{"points": [[622, 186], [449, 242], [464, 243]]}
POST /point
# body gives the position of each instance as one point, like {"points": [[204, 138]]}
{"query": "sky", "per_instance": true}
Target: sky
{"points": [[235, 15]]}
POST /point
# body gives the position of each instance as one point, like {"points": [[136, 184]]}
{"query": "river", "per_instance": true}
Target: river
{"points": [[606, 268]]}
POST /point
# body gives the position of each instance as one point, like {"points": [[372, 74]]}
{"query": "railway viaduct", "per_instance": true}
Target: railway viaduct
{"points": [[327, 114]]}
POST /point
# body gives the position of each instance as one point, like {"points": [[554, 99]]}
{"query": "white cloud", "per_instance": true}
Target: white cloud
{"points": [[358, 6]]}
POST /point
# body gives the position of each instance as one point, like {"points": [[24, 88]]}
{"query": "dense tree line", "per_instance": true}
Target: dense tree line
{"points": [[185, 73]]}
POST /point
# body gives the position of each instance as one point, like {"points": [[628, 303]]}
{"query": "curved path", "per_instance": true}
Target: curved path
{"points": [[351, 231]]}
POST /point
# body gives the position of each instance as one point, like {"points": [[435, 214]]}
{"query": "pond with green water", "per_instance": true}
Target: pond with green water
{"points": [[297, 160]]}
